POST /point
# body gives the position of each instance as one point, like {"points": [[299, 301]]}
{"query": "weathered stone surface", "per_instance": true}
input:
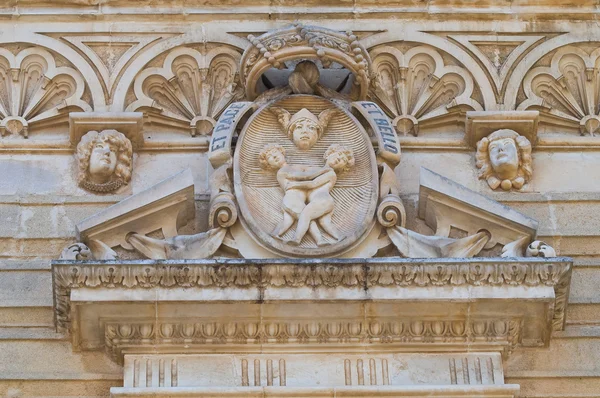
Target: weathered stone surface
{"points": [[182, 63]]}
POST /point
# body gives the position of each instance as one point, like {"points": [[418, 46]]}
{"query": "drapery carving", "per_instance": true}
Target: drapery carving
{"points": [[416, 87], [33, 90], [191, 89]]}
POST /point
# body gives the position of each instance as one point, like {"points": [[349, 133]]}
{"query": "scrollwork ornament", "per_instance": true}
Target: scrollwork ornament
{"points": [[76, 251], [391, 212]]}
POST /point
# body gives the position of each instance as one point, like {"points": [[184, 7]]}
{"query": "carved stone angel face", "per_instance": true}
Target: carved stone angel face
{"points": [[304, 128], [504, 159], [305, 133], [104, 160]]}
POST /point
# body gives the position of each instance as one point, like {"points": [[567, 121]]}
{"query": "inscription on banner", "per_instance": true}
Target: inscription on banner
{"points": [[389, 147], [220, 144]]}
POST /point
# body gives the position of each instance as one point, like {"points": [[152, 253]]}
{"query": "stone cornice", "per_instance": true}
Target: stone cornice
{"points": [[549, 9], [361, 276]]}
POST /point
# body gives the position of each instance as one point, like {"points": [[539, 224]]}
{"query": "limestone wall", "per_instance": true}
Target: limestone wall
{"points": [[504, 55]]}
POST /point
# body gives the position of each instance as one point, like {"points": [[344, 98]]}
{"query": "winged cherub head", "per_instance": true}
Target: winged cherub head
{"points": [[303, 128]]}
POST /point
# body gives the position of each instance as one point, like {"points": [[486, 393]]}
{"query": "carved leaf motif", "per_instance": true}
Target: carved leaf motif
{"points": [[33, 90], [191, 89], [416, 88]]}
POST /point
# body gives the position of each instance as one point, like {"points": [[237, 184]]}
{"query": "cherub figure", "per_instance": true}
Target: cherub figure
{"points": [[307, 198]]}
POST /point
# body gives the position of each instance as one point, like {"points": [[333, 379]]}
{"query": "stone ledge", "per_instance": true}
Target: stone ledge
{"points": [[504, 391]]}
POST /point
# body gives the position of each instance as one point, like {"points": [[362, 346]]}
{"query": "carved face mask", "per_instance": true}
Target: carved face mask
{"points": [[103, 161], [305, 133], [504, 157]]}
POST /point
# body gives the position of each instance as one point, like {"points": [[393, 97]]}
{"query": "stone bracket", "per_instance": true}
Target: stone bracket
{"points": [[128, 123], [444, 205], [480, 124]]}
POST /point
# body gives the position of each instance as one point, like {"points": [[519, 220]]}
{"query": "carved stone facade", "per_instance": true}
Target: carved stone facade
{"points": [[303, 199]]}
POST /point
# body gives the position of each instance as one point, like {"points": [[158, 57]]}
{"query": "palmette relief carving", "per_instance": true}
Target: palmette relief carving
{"points": [[191, 89], [504, 160], [416, 88], [506, 332], [33, 90], [566, 91], [105, 161]]}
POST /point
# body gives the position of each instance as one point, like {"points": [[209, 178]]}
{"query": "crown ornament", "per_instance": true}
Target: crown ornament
{"points": [[303, 42]]}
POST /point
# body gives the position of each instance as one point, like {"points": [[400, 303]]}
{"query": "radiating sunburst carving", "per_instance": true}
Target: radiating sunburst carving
{"points": [[416, 89], [34, 91], [568, 92], [191, 89]]}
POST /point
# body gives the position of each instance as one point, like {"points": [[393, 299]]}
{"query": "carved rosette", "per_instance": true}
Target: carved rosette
{"points": [[34, 91], [273, 49]]}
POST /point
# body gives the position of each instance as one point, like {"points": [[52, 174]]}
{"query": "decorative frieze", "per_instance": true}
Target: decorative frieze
{"points": [[479, 334]]}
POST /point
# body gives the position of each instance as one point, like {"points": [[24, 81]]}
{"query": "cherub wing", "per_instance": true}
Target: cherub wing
{"points": [[283, 116]]}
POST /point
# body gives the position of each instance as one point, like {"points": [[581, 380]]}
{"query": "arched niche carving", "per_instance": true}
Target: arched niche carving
{"points": [[566, 92], [35, 91], [417, 88], [191, 89]]}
